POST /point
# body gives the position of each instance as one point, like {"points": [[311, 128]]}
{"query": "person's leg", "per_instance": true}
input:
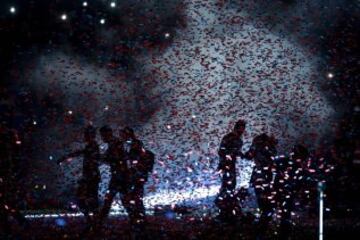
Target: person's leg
{"points": [[266, 210], [134, 206], [92, 197], [139, 205], [225, 200], [285, 224], [104, 211]]}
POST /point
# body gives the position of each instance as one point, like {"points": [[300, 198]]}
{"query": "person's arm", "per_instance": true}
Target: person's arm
{"points": [[222, 154], [250, 153], [70, 155]]}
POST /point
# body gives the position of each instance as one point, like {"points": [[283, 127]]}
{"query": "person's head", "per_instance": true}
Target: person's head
{"points": [[261, 140], [127, 133], [239, 127], [89, 133], [106, 133], [299, 154]]}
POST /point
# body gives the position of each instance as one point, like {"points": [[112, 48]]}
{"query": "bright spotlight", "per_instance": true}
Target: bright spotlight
{"points": [[12, 9]]}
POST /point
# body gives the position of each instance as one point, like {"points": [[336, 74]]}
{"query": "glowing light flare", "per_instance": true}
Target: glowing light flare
{"points": [[64, 17], [12, 10], [330, 75]]}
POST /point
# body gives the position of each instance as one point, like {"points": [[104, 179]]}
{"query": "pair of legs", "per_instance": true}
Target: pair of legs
{"points": [[132, 201], [287, 205], [286, 201], [226, 200], [266, 208], [136, 211], [116, 185]]}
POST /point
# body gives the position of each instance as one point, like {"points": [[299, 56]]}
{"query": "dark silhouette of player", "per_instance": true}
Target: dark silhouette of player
{"points": [[290, 178], [140, 162], [263, 151], [230, 149], [119, 182], [89, 183], [9, 150]]}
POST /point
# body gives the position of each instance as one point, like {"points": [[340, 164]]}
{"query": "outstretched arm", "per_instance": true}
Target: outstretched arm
{"points": [[70, 155]]}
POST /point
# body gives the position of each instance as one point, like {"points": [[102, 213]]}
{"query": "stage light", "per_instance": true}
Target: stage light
{"points": [[63, 17], [85, 4], [34, 122], [112, 4], [60, 222], [70, 112], [12, 9], [102, 21], [167, 35], [330, 75]]}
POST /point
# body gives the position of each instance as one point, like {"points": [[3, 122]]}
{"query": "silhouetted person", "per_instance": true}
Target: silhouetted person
{"points": [[263, 151], [119, 182], [89, 183], [9, 149], [230, 149], [289, 180], [140, 162]]}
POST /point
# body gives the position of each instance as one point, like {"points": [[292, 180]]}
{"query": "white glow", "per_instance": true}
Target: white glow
{"points": [[85, 4], [102, 21], [112, 4], [321, 214], [34, 122], [63, 17], [70, 112], [12, 9], [167, 35], [161, 198], [330, 75]]}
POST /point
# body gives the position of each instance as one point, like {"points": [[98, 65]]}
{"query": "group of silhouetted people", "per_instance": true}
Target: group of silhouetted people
{"points": [[277, 180], [130, 164]]}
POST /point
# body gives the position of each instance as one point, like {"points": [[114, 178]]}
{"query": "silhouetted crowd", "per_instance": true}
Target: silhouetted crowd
{"points": [[130, 164], [280, 181], [277, 180]]}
